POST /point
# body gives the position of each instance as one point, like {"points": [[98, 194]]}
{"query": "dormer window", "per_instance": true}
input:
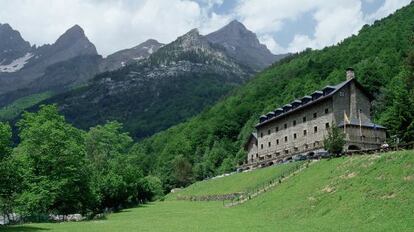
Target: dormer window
{"points": [[315, 95]]}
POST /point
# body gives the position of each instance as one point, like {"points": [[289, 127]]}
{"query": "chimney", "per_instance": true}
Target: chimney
{"points": [[350, 74]]}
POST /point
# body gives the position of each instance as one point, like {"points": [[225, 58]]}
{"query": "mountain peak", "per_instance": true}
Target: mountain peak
{"points": [[149, 42], [73, 33], [12, 45], [190, 40], [193, 32], [75, 37], [236, 24], [6, 26], [76, 29], [242, 45]]}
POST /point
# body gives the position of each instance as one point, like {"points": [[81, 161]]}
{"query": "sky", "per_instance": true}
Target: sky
{"points": [[282, 25]]}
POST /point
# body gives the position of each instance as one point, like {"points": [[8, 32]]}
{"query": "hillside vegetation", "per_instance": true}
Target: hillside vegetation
{"points": [[360, 193], [236, 183], [211, 143], [17, 107]]}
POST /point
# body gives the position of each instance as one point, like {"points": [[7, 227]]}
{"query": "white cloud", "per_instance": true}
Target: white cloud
{"points": [[267, 16], [334, 23], [387, 8], [335, 20], [271, 44], [117, 24], [111, 25]]}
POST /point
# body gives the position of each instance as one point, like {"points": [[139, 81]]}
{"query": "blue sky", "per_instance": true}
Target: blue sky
{"points": [[282, 25]]}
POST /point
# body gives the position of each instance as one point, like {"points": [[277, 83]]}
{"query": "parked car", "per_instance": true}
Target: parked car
{"points": [[299, 157], [324, 155]]}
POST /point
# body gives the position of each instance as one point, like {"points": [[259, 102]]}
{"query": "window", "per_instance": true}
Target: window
{"points": [[277, 141], [285, 138], [306, 146], [285, 125], [287, 151], [270, 144], [304, 119], [326, 111], [268, 132], [315, 115], [277, 129], [261, 134], [261, 146], [305, 132], [294, 122], [315, 129], [327, 125], [294, 136]]}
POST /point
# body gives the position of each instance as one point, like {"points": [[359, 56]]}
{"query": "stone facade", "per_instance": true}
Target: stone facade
{"points": [[301, 126]]}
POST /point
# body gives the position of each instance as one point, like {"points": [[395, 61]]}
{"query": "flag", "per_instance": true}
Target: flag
{"points": [[346, 119]]}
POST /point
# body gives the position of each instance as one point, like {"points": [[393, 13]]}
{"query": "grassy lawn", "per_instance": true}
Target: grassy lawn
{"points": [[239, 182], [361, 193]]}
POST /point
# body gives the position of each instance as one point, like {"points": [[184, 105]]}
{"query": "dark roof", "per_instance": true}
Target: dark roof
{"points": [[355, 122], [252, 135], [311, 102]]}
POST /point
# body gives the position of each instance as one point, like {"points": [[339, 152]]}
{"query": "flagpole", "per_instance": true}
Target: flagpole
{"points": [[360, 122]]}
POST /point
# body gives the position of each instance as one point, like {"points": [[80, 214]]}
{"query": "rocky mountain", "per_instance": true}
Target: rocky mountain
{"points": [[23, 65], [177, 81], [243, 45], [127, 56], [14, 49], [149, 87]]}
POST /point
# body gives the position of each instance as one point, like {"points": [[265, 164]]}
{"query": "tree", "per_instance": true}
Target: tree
{"points": [[182, 172], [116, 177], [334, 142], [56, 176], [10, 175], [5, 140]]}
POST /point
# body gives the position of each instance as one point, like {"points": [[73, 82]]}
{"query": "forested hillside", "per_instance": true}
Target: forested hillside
{"points": [[381, 54]]}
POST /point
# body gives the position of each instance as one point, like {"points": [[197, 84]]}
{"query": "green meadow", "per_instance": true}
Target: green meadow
{"points": [[17, 107], [358, 193]]}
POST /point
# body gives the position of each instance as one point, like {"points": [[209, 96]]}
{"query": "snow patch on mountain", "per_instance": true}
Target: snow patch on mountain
{"points": [[16, 64]]}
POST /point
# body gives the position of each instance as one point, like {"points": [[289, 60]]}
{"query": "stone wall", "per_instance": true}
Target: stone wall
{"points": [[252, 150], [273, 135]]}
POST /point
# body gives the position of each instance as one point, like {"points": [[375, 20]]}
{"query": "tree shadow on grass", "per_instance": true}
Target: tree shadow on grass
{"points": [[129, 209], [22, 228]]}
